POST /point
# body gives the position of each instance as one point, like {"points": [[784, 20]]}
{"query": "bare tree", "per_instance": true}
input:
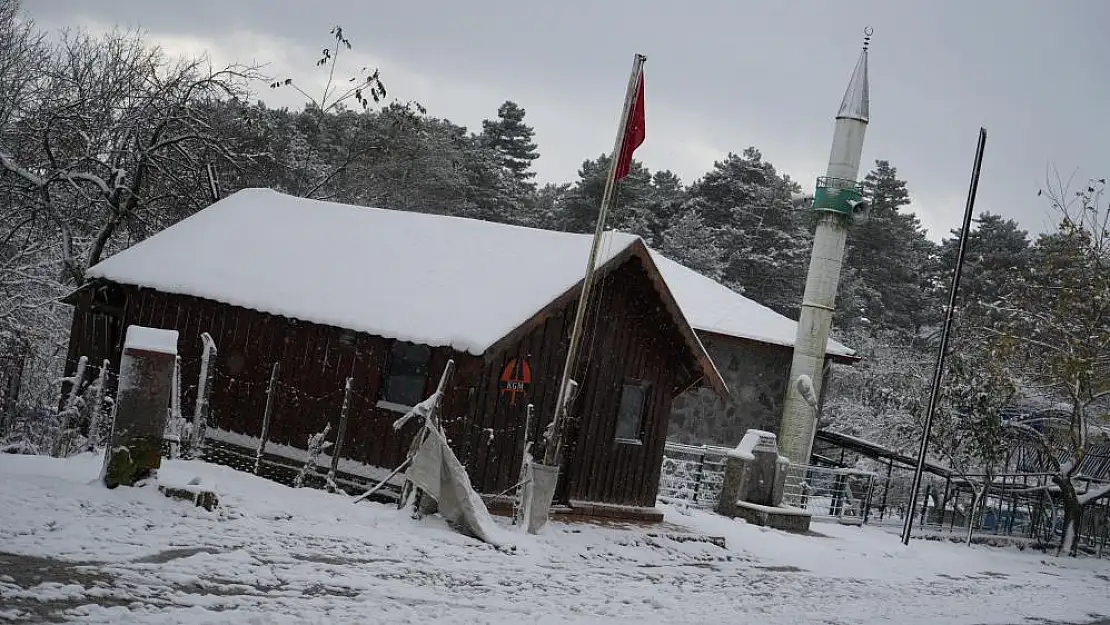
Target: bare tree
{"points": [[117, 144], [881, 398], [330, 115], [1056, 332], [364, 83], [29, 319]]}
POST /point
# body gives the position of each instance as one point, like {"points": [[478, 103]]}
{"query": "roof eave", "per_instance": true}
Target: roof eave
{"points": [[73, 296], [707, 370], [701, 355], [845, 359]]}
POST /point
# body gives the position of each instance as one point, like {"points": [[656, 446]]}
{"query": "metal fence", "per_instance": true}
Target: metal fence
{"points": [[830, 493], [1016, 506], [1024, 507], [692, 475]]}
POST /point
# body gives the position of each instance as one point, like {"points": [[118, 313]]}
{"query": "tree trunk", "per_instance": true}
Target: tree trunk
{"points": [[973, 512], [1073, 513]]}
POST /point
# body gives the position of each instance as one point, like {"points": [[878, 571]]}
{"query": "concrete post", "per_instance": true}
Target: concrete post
{"points": [[139, 421], [736, 473]]}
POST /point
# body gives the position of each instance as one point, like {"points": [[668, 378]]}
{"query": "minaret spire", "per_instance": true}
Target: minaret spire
{"points": [[856, 103]]}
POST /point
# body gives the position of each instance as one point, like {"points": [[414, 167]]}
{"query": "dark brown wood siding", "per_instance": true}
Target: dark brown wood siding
{"points": [[629, 335], [96, 331], [315, 363], [633, 337]]}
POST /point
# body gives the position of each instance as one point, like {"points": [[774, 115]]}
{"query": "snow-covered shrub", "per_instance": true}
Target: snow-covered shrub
{"points": [[316, 446]]}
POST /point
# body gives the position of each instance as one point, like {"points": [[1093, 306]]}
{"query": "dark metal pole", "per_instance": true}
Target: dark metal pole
{"points": [[942, 351]]}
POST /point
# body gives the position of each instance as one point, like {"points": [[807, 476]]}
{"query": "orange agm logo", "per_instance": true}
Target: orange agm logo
{"points": [[515, 378]]}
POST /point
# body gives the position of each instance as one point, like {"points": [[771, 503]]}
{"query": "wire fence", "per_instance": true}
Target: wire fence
{"points": [[1021, 508], [830, 493], [692, 475]]}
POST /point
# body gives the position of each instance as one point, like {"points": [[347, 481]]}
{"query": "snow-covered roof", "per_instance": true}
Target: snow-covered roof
{"points": [[713, 307], [440, 281], [429, 279]]}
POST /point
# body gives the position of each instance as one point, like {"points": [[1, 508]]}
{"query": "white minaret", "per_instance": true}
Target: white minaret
{"points": [[838, 200]]}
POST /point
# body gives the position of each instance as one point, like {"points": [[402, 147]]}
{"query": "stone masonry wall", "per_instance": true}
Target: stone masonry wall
{"points": [[756, 374]]}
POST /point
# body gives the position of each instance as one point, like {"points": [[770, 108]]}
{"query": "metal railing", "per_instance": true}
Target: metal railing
{"points": [[1016, 506], [830, 493], [692, 475]]}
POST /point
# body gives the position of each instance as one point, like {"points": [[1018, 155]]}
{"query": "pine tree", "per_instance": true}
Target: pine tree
{"points": [[545, 208], [690, 242], [662, 207], [889, 252], [997, 259], [578, 208], [748, 204], [511, 138]]}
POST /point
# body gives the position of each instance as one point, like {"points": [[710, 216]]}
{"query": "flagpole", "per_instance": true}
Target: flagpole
{"points": [[553, 448], [942, 351]]}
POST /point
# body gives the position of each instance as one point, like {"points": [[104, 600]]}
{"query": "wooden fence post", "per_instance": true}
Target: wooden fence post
{"points": [[525, 458], [70, 409], [339, 434], [96, 409], [271, 390], [204, 388]]}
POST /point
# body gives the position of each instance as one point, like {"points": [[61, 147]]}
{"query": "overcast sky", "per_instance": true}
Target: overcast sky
{"points": [[721, 75]]}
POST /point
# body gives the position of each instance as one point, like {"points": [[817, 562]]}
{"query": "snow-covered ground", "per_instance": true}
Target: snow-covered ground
{"points": [[272, 554]]}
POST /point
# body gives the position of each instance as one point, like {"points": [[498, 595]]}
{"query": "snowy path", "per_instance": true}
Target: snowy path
{"points": [[277, 555]]}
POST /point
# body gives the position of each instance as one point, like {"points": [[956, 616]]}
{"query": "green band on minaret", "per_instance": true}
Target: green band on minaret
{"points": [[837, 195]]}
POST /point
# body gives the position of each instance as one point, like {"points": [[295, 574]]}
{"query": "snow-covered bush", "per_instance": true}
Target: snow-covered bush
{"points": [[316, 446]]}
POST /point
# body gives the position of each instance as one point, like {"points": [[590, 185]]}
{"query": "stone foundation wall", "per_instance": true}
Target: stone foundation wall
{"points": [[756, 374]]}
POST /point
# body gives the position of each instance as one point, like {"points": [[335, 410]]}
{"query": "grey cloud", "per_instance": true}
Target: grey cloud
{"points": [[769, 74]]}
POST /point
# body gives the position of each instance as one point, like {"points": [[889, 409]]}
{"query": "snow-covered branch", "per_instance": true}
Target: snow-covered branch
{"points": [[1094, 494]]}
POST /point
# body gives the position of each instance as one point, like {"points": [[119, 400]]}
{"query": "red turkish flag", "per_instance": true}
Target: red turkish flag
{"points": [[634, 130]]}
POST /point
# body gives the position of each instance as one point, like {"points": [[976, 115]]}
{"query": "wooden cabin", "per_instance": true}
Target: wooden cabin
{"points": [[383, 297]]}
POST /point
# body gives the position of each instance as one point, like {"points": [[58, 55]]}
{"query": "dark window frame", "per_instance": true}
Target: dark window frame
{"points": [[621, 428], [398, 387]]}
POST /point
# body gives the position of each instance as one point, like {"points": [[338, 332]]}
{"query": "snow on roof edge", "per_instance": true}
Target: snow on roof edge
{"points": [[462, 346], [705, 359], [830, 350], [690, 309], [718, 305], [107, 269]]}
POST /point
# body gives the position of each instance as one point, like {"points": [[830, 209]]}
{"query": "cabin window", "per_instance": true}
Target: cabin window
{"points": [[630, 413], [407, 376]]}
